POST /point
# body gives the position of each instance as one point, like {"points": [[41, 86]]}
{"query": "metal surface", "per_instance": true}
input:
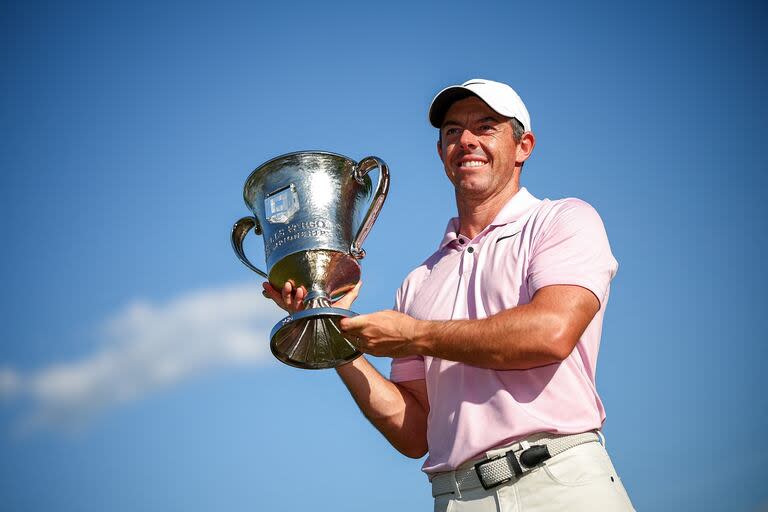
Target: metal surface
{"points": [[239, 230], [311, 339], [314, 211], [360, 172]]}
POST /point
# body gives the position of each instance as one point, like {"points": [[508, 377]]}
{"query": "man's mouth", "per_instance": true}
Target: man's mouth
{"points": [[471, 164]]}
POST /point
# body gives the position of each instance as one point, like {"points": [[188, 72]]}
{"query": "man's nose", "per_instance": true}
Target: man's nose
{"points": [[468, 139]]}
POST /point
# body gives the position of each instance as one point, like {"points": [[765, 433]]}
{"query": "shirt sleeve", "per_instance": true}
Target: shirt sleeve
{"points": [[572, 248], [405, 368]]}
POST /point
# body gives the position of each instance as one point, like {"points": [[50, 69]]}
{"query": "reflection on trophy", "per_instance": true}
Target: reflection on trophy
{"points": [[314, 210]]}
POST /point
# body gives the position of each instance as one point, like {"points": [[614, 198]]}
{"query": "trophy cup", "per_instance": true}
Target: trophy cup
{"points": [[314, 210]]}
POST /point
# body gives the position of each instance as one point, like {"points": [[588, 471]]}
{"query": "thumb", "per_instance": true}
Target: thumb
{"points": [[352, 323], [346, 301]]}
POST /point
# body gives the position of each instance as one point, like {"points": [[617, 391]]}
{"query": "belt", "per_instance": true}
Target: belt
{"points": [[512, 464]]}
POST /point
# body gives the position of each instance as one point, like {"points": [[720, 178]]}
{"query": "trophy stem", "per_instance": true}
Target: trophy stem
{"points": [[317, 299]]}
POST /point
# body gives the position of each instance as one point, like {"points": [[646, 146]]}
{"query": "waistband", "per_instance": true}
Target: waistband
{"points": [[504, 464]]}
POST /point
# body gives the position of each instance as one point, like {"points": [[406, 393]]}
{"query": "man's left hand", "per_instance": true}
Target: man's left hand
{"points": [[384, 333]]}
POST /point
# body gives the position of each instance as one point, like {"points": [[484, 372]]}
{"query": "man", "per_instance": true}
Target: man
{"points": [[494, 338]]}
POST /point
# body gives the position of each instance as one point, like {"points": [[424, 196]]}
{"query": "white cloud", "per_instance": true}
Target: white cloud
{"points": [[149, 347], [9, 383]]}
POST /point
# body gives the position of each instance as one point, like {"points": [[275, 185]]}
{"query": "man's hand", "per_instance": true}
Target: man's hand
{"points": [[291, 298], [346, 301], [385, 333]]}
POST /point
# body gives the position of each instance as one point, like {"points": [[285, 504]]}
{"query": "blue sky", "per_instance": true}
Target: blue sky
{"points": [[134, 373]]}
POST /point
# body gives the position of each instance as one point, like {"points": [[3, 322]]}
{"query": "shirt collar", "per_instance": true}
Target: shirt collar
{"points": [[515, 208]]}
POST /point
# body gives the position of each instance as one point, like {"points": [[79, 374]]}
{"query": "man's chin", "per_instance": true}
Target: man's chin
{"points": [[470, 188]]}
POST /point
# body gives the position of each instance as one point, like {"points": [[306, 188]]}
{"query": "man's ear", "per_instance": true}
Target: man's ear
{"points": [[440, 148], [525, 147]]}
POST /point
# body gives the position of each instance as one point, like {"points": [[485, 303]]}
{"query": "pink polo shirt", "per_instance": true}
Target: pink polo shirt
{"points": [[532, 243]]}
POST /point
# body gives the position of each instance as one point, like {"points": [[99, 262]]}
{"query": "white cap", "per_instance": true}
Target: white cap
{"points": [[500, 97]]}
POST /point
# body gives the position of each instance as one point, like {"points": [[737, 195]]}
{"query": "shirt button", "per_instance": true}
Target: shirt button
{"points": [[461, 241], [470, 250]]}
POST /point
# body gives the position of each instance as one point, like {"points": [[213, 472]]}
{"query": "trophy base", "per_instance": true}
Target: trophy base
{"points": [[311, 339]]}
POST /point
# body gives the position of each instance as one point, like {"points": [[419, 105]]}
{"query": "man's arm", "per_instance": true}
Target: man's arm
{"points": [[398, 410], [542, 332]]}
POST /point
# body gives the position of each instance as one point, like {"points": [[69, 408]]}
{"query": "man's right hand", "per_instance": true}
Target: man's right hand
{"points": [[289, 298], [292, 299]]}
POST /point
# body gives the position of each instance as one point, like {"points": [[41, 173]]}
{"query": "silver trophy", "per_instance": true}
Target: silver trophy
{"points": [[314, 210]]}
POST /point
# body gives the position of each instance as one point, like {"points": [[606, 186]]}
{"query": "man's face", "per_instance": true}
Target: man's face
{"points": [[478, 149]]}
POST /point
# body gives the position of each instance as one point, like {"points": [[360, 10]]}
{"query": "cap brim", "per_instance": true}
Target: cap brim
{"points": [[443, 102]]}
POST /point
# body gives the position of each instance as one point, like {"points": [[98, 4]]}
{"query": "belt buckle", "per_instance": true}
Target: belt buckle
{"points": [[488, 487]]}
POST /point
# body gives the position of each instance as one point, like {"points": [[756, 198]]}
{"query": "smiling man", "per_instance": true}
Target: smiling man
{"points": [[495, 337]]}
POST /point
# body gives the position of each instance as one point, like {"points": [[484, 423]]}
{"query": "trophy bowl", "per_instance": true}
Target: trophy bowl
{"points": [[314, 210]]}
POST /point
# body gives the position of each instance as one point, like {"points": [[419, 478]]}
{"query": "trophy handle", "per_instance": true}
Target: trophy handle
{"points": [[239, 230], [362, 168]]}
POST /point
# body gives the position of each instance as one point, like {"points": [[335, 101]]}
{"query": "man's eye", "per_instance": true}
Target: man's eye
{"points": [[486, 128], [451, 131]]}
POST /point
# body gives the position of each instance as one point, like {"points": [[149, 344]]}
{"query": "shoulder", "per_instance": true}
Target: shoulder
{"points": [[565, 206], [568, 213]]}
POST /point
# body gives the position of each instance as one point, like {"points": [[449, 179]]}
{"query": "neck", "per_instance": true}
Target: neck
{"points": [[475, 214]]}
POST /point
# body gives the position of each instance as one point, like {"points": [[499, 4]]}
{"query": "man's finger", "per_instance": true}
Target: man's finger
{"points": [[287, 293], [269, 291], [354, 292], [301, 292], [353, 323]]}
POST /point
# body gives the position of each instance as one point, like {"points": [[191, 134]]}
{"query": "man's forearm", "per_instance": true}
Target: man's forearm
{"points": [[516, 339], [545, 331], [394, 410], [542, 332]]}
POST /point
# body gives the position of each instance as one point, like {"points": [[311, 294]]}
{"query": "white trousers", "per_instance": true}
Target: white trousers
{"points": [[579, 479]]}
